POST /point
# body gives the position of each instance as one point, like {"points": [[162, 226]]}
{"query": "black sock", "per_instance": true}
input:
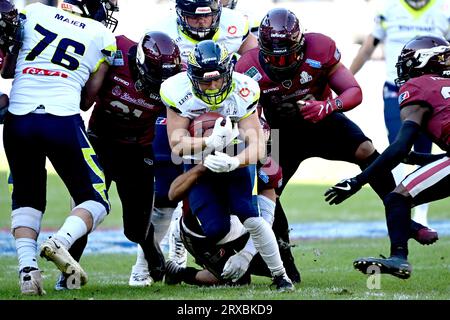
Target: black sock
{"points": [[398, 216], [384, 182], [76, 250]]}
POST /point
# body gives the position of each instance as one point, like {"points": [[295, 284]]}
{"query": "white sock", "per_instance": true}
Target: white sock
{"points": [[161, 218], [73, 228], [421, 213], [267, 209], [141, 262], [266, 244], [26, 252]]}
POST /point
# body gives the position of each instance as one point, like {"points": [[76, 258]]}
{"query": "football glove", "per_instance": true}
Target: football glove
{"points": [[237, 265], [315, 111], [342, 190], [221, 162], [221, 136]]}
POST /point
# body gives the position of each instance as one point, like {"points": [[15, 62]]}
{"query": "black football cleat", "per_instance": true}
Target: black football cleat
{"points": [[283, 283], [393, 265], [425, 236]]}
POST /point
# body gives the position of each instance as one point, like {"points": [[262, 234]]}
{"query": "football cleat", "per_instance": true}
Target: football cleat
{"points": [[283, 283], [140, 277], [177, 251], [53, 250], [393, 265], [61, 283], [173, 273], [30, 281], [425, 236]]}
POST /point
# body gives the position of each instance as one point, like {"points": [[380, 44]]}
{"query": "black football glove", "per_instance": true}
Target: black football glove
{"points": [[342, 190]]}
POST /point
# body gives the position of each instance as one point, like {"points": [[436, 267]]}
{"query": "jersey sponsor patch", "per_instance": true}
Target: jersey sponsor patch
{"points": [[314, 63], [44, 72], [402, 97], [253, 73], [305, 77], [232, 30], [244, 92], [118, 59]]}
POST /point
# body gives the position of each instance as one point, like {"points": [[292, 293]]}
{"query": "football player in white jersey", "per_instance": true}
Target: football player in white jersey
{"points": [[210, 85], [195, 20], [62, 61], [397, 22]]}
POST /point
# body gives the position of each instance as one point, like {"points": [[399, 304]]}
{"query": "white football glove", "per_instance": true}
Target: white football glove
{"points": [[237, 265], [221, 136], [221, 162]]}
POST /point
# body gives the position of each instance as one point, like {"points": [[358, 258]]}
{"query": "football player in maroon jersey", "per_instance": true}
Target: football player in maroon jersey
{"points": [[121, 130], [423, 70], [297, 73]]}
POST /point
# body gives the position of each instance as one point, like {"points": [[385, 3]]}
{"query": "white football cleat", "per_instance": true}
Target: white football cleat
{"points": [[53, 250], [140, 277], [177, 251], [30, 281]]}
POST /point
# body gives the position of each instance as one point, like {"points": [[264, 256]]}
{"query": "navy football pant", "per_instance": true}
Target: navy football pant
{"points": [[216, 195], [165, 170], [393, 121], [30, 139]]}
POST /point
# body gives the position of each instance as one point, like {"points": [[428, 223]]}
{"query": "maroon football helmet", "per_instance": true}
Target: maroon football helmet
{"points": [[9, 25], [157, 58], [281, 41], [423, 55]]}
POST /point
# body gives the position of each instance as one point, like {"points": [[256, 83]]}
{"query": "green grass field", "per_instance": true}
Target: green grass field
{"points": [[325, 265]]}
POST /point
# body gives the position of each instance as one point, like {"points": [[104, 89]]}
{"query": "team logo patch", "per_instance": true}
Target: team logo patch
{"points": [[148, 161], [116, 91], [314, 63], [161, 121], [253, 73], [337, 54], [287, 84], [402, 97], [232, 29], [305, 77], [244, 92]]}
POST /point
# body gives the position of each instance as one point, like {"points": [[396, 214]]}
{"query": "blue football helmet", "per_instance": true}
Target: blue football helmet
{"points": [[198, 8], [210, 61], [100, 10]]}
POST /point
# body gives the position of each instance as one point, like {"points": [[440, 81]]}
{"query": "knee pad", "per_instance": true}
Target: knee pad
{"points": [[26, 217], [96, 209], [267, 209]]}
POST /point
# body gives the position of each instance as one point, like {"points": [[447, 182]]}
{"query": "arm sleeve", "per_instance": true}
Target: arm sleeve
{"points": [[394, 154]]}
